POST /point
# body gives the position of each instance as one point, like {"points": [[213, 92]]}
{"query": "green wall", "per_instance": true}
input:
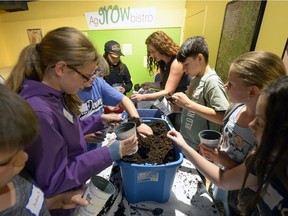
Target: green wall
{"points": [[136, 37]]}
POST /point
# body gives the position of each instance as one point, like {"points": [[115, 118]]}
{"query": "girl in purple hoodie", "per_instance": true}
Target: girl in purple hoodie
{"points": [[48, 76]]}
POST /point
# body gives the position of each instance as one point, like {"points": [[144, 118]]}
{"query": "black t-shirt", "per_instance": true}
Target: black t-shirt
{"points": [[116, 76], [165, 68]]}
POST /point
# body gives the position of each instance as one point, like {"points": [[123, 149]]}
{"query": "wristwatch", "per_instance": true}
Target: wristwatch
{"points": [[136, 120]]}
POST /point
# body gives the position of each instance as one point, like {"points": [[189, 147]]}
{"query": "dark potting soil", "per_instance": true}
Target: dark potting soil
{"points": [[155, 149]]}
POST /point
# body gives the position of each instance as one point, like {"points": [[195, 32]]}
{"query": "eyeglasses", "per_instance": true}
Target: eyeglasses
{"points": [[86, 78]]}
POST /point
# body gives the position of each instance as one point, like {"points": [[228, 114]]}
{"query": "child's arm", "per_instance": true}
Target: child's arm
{"points": [[66, 200]]}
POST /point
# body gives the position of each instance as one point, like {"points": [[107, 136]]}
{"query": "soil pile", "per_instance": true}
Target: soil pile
{"points": [[155, 149]]}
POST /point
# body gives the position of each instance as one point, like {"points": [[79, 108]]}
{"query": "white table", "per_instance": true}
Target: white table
{"points": [[188, 197]]}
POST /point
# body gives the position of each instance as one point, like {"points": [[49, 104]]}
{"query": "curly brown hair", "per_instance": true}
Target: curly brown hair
{"points": [[164, 45]]}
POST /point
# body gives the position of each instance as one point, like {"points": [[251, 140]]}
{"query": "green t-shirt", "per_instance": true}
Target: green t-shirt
{"points": [[210, 87]]}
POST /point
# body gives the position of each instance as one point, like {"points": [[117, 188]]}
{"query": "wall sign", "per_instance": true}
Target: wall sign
{"points": [[114, 16]]}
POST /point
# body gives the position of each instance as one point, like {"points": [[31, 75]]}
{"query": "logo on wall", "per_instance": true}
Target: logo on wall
{"points": [[113, 17]]}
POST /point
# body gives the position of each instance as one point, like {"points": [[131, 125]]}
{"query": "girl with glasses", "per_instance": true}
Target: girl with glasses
{"points": [[47, 76]]}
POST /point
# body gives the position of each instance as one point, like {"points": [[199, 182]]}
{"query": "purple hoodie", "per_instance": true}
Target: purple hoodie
{"points": [[58, 159]]}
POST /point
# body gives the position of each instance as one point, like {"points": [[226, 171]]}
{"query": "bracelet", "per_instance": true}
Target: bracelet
{"points": [[136, 120]]}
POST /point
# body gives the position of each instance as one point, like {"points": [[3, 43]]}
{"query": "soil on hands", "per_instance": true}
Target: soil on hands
{"points": [[155, 149]]}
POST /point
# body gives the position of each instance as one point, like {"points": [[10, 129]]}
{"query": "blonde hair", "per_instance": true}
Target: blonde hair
{"points": [[62, 44], [258, 68]]}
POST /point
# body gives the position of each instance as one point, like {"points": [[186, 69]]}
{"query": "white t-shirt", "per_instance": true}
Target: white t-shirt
{"points": [[237, 141]]}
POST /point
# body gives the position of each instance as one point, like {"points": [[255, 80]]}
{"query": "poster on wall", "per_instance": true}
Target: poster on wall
{"points": [[241, 25], [34, 35]]}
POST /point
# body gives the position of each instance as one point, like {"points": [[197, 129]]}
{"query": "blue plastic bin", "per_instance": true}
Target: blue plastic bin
{"points": [[146, 113], [148, 182]]}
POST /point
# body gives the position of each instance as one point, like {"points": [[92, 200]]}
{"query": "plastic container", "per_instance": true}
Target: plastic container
{"points": [[149, 113], [174, 119], [163, 105], [146, 113], [148, 182], [210, 137]]}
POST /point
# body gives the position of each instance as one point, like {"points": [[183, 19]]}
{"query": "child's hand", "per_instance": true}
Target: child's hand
{"points": [[208, 152], [111, 119], [129, 146], [180, 99], [177, 138], [122, 89], [144, 130], [67, 200]]}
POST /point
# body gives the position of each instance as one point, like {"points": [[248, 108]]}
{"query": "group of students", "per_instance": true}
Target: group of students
{"points": [[204, 105], [49, 140], [49, 76], [248, 75]]}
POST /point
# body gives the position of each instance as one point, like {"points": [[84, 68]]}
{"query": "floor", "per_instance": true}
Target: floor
{"points": [[218, 203]]}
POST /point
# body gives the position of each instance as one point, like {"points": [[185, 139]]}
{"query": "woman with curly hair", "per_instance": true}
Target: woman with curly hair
{"points": [[161, 52]]}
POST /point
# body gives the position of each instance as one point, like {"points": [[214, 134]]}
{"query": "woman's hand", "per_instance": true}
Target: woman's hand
{"points": [[144, 130], [67, 200], [136, 98], [97, 137]]}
